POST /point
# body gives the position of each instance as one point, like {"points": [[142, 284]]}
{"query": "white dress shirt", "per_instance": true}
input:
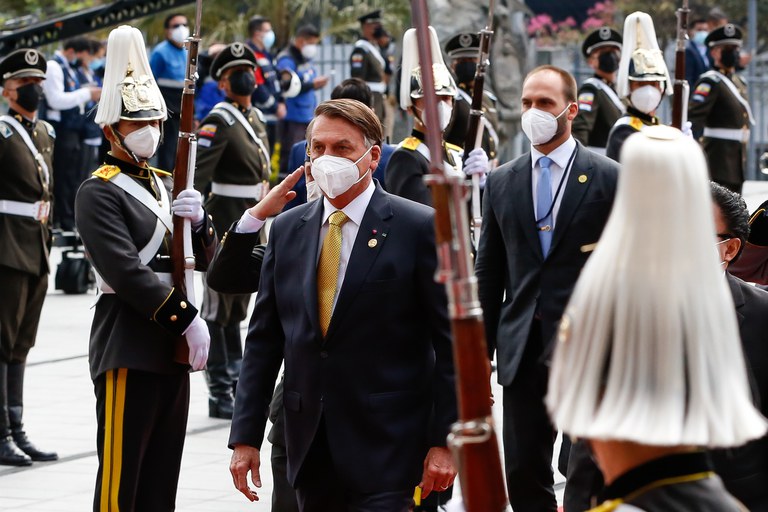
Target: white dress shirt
{"points": [[57, 99], [557, 172]]}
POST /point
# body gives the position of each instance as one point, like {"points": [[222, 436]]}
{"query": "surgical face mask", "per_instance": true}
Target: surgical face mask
{"points": [[699, 36], [143, 142], [729, 58], [539, 126], [608, 62], [28, 96], [335, 175], [269, 39], [444, 113], [97, 64], [313, 191], [242, 82], [465, 71], [646, 98], [180, 34], [309, 51]]}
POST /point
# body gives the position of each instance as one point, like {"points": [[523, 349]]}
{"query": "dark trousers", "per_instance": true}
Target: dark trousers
{"points": [[21, 301], [528, 434], [320, 489], [584, 481], [142, 421], [68, 174], [283, 494], [166, 152], [291, 132]]}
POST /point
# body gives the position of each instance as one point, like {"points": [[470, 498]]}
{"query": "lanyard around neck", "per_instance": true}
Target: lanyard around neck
{"points": [[559, 187]]}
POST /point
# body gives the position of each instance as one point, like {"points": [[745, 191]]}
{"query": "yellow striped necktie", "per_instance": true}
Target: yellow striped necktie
{"points": [[328, 268]]}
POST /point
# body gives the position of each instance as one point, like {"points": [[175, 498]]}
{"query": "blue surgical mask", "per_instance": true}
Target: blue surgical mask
{"points": [[699, 36], [97, 64], [269, 39]]}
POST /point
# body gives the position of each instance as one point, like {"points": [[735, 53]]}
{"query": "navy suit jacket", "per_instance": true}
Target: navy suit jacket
{"points": [[510, 261], [383, 378], [695, 65]]}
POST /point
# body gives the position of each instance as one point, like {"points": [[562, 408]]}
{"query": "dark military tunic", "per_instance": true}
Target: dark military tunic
{"points": [[714, 106], [456, 132], [228, 155], [599, 109], [672, 483], [25, 240], [136, 326], [631, 122], [409, 164], [368, 64]]}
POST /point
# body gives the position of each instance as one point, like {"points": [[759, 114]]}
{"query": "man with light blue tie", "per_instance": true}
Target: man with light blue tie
{"points": [[542, 214]]}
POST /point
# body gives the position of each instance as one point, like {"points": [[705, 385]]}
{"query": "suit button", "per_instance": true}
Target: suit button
{"points": [[323, 354]]}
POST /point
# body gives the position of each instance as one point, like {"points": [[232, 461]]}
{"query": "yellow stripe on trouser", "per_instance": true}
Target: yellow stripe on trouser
{"points": [[113, 439]]}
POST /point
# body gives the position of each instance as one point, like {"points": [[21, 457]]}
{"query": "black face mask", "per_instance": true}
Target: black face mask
{"points": [[608, 62], [77, 63], [465, 71], [729, 58], [242, 83], [28, 96]]}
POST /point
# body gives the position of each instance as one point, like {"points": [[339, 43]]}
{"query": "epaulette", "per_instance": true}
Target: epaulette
{"points": [[49, 127], [160, 171], [453, 147], [260, 115], [411, 143], [106, 172], [5, 130], [226, 116]]}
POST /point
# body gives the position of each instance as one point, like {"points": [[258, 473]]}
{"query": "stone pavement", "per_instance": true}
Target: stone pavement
{"points": [[60, 415]]}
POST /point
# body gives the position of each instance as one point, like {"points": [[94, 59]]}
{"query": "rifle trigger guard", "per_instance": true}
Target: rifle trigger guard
{"points": [[470, 432]]}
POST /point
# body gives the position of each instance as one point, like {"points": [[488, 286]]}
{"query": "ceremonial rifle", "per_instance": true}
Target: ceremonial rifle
{"points": [[473, 438], [681, 87], [182, 254], [474, 136]]}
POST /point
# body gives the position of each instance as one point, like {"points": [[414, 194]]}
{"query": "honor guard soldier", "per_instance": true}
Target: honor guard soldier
{"points": [[233, 160], [26, 146], [464, 51], [599, 105], [124, 216], [642, 81], [410, 162], [368, 63], [719, 109]]}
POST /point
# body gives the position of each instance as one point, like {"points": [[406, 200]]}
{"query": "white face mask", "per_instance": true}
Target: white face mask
{"points": [[335, 175], [539, 126], [646, 98], [313, 191], [444, 113], [309, 51], [180, 34], [143, 142]]}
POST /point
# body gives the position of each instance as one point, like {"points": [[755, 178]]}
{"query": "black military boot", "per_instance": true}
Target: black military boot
{"points": [[220, 403], [15, 413], [10, 455]]}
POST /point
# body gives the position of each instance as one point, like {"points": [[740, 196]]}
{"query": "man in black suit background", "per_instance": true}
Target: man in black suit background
{"points": [[744, 470], [368, 403], [542, 213]]}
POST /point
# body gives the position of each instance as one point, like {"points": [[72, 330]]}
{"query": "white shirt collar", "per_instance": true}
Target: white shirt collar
{"points": [[355, 210], [560, 155]]}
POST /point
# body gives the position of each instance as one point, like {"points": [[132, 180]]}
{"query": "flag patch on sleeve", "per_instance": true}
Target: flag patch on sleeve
{"points": [[207, 130], [585, 101]]}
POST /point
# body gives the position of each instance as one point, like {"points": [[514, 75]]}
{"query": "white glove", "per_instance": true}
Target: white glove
{"points": [[189, 204], [687, 129], [198, 340], [477, 163]]}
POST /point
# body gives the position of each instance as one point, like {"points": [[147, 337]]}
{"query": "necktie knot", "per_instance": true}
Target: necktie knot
{"points": [[338, 218], [545, 162]]}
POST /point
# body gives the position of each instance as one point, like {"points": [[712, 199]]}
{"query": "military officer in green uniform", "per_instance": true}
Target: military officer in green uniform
{"points": [[599, 105], [26, 146], [464, 51], [368, 63], [719, 111], [233, 161], [124, 216]]}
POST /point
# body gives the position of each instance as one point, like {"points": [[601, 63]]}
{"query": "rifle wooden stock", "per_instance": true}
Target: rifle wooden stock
{"points": [[473, 438], [183, 169], [474, 132], [680, 89]]}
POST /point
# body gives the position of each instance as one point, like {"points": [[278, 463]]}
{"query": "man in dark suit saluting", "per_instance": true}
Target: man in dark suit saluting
{"points": [[347, 296], [542, 214]]}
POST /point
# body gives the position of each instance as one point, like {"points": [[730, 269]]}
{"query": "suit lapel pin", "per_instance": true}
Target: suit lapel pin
{"points": [[582, 178], [372, 243]]}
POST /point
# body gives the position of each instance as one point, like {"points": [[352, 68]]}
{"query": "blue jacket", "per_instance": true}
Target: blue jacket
{"points": [[300, 108]]}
